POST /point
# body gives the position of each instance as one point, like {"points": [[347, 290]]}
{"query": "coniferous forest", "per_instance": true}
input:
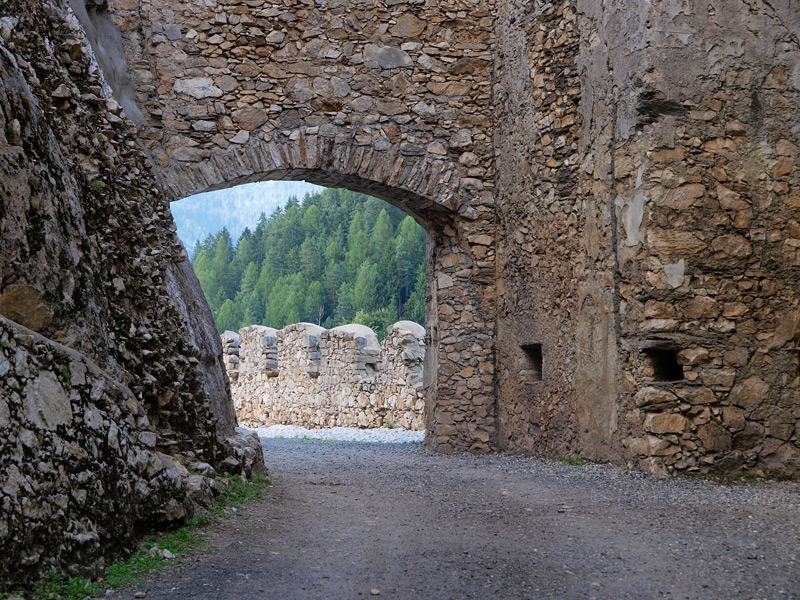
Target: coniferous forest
{"points": [[337, 257]]}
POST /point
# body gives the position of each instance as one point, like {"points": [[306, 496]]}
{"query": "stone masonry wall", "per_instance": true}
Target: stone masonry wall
{"points": [[404, 86], [703, 177], [314, 377], [91, 273], [393, 99], [648, 277]]}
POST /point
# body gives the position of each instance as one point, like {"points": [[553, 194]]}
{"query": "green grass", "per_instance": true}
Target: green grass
{"points": [[129, 572], [571, 461], [740, 477]]}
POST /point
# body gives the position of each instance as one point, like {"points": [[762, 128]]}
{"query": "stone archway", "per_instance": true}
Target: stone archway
{"points": [[382, 98], [415, 183], [459, 402]]}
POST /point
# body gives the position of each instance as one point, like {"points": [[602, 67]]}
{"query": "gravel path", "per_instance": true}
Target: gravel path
{"points": [[354, 520], [396, 435]]}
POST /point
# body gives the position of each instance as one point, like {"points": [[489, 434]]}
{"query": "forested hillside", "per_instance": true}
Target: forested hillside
{"points": [[338, 257]]}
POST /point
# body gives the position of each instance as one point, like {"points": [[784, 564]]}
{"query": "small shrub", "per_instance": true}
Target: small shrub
{"points": [[66, 374]]}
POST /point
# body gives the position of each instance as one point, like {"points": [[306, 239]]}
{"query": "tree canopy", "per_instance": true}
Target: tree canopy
{"points": [[337, 257]]}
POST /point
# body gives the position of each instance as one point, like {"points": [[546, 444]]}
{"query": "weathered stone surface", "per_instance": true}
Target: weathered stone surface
{"points": [[750, 393], [249, 118], [732, 245], [46, 403], [25, 305], [663, 241], [651, 396], [500, 120], [385, 57], [665, 423], [714, 438], [198, 88]]}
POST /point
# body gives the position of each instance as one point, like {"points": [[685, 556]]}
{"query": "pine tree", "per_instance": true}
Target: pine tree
{"points": [[229, 316], [249, 278], [314, 309], [336, 258], [366, 288], [344, 307]]}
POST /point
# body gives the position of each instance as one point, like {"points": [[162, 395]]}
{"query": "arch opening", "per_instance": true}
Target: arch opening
{"points": [[459, 362], [321, 305]]}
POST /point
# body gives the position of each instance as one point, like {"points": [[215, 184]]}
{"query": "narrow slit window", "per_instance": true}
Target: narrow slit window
{"points": [[663, 364], [532, 370]]}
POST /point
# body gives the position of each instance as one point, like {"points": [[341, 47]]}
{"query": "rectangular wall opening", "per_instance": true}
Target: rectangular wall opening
{"points": [[533, 367], [662, 364]]}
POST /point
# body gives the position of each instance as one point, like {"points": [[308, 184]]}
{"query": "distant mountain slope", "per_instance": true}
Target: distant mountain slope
{"points": [[234, 208]]}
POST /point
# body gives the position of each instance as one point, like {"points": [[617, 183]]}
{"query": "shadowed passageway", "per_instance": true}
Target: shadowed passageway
{"points": [[345, 519]]}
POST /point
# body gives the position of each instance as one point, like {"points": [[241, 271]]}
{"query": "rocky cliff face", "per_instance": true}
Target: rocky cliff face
{"points": [[90, 262]]}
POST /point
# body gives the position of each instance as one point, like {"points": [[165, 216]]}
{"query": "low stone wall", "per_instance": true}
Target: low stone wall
{"points": [[315, 377]]}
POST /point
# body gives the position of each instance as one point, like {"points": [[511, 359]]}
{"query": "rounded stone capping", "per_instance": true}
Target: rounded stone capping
{"points": [[414, 329], [230, 336], [360, 332], [267, 334], [258, 328], [309, 328]]}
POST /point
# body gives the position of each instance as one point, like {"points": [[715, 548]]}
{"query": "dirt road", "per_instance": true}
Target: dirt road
{"points": [[348, 520]]}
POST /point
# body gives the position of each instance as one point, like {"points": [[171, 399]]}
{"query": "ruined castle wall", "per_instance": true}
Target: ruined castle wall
{"points": [[314, 377], [646, 199], [704, 181], [610, 191], [392, 99], [544, 274], [91, 273]]}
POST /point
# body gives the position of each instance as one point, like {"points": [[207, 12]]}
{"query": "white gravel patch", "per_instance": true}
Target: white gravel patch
{"points": [[383, 435]]}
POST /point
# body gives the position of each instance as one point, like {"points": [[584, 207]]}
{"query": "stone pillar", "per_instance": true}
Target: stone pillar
{"points": [[460, 384]]}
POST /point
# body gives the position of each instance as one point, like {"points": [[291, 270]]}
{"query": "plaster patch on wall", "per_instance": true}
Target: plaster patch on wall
{"points": [[675, 273], [632, 216]]}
